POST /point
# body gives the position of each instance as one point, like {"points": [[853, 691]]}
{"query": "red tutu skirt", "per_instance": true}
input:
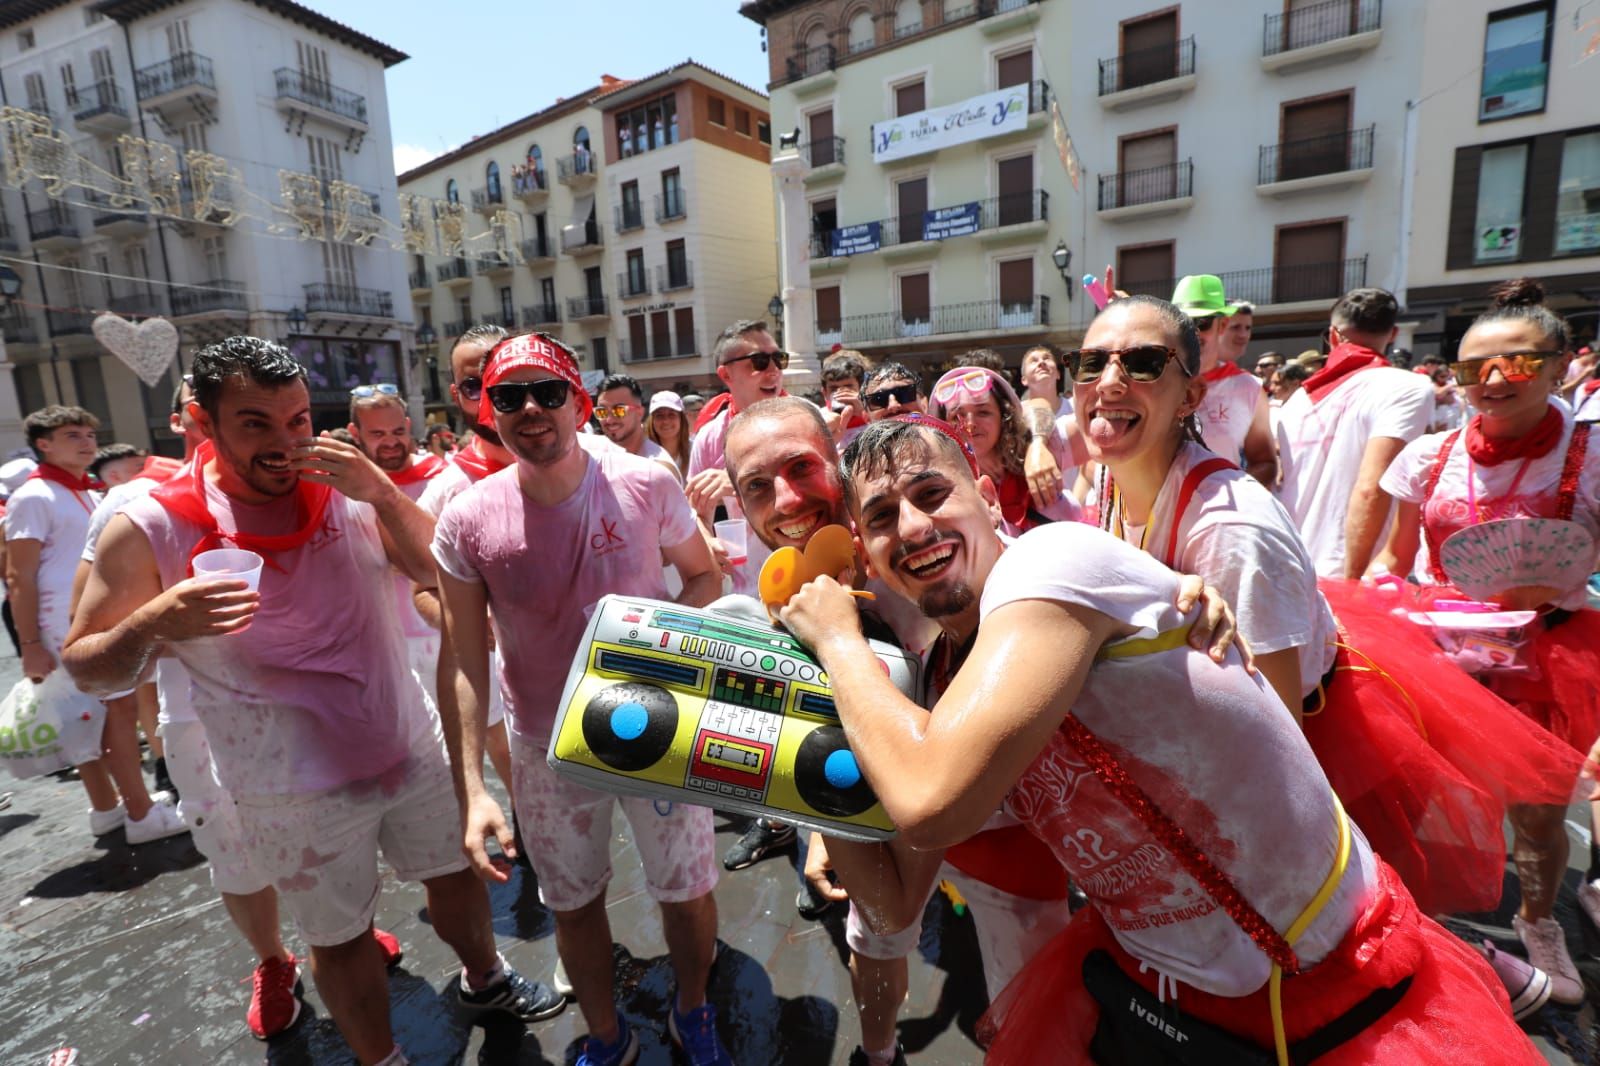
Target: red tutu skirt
{"points": [[1564, 696], [1454, 1012]]}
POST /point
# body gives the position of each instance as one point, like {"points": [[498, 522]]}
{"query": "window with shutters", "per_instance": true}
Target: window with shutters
{"points": [[916, 310], [1016, 292], [313, 62], [860, 36], [677, 265], [829, 307], [1149, 50], [90, 384], [716, 111], [683, 328], [193, 136], [741, 121], [632, 214], [178, 43], [338, 264], [25, 40], [100, 63], [325, 159], [215, 250], [69, 85], [1316, 136], [1013, 69], [819, 125], [33, 86], [1309, 262], [638, 337], [1014, 180], [634, 279], [71, 286], [464, 308], [660, 335], [508, 313], [907, 19], [1146, 168], [1147, 269], [911, 208], [909, 98], [547, 293], [824, 220]]}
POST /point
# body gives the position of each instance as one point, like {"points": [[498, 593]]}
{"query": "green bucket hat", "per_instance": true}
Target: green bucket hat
{"points": [[1201, 296]]}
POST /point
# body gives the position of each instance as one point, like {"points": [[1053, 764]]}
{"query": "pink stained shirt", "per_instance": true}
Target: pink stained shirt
{"points": [[318, 692], [544, 568], [405, 604]]}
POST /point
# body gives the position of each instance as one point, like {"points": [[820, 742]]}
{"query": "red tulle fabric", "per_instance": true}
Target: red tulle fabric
{"points": [[1424, 758], [1455, 1011]]}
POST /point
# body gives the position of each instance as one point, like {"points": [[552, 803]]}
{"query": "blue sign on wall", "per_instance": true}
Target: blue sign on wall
{"points": [[957, 221], [852, 240]]}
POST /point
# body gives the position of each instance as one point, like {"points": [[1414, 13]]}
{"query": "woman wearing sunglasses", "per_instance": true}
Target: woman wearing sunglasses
{"points": [[984, 404], [1135, 389], [1520, 456]]}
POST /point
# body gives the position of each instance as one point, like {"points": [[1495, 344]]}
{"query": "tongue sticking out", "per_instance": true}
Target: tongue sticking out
{"points": [[1105, 430]]}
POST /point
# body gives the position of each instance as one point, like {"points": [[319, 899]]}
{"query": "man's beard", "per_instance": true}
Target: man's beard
{"points": [[394, 462], [946, 601], [487, 434]]}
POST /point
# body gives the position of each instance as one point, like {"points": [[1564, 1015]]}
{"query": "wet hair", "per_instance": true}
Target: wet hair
{"points": [[847, 365], [987, 358], [890, 372], [485, 333], [111, 453], [1522, 300], [733, 335], [883, 446], [1174, 319], [776, 408], [262, 362], [1370, 312], [46, 420], [621, 381]]}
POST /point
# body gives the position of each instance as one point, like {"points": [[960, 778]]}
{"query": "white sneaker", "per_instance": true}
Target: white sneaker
{"points": [[1547, 950], [1527, 986], [103, 822], [1589, 900], [161, 822]]}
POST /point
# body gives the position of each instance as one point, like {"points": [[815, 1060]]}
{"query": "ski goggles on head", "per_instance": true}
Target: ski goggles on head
{"points": [[1142, 362], [1513, 366], [509, 397], [974, 383]]}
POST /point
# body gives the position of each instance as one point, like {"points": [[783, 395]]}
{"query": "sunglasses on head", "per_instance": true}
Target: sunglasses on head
{"points": [[1513, 366], [975, 383], [901, 394], [1142, 362], [759, 361], [616, 411], [366, 392], [509, 397], [471, 387]]}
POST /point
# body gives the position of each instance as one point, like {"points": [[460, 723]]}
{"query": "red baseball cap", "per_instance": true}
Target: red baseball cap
{"points": [[538, 351]]}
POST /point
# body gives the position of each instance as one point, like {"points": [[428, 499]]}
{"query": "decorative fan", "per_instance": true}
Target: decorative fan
{"points": [[1491, 558], [829, 551], [147, 348]]}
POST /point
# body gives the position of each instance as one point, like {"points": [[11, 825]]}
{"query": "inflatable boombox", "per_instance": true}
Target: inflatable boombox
{"points": [[698, 706]]}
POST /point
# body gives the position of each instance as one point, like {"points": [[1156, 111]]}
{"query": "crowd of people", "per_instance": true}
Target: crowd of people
{"points": [[1203, 792]]}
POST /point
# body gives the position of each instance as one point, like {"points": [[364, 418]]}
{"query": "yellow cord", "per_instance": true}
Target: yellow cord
{"points": [[1330, 885], [1373, 668]]}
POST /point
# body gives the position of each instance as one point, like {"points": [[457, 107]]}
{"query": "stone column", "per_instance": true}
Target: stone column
{"points": [[12, 436], [794, 271]]}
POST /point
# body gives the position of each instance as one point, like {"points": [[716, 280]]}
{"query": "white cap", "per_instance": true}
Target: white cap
{"points": [[15, 472], [666, 399]]}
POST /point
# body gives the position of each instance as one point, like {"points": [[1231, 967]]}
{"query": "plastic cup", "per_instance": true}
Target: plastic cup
{"points": [[230, 564], [732, 534]]}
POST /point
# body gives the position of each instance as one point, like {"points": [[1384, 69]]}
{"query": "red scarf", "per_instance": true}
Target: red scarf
{"points": [[1536, 443], [1221, 372], [1343, 361], [184, 496], [1588, 387], [421, 470], [52, 472], [1014, 499], [159, 467], [715, 405], [475, 464]]}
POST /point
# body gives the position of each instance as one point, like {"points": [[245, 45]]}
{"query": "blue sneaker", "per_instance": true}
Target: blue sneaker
{"points": [[695, 1034], [624, 1052]]}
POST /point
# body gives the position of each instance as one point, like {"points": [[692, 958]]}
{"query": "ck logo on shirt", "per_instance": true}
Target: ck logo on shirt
{"points": [[608, 540]]}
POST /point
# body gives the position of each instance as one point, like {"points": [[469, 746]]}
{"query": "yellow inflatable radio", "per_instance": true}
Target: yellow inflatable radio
{"points": [[716, 709]]}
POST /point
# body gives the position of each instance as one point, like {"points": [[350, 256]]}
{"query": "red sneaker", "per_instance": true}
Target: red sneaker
{"points": [[274, 997], [392, 952]]}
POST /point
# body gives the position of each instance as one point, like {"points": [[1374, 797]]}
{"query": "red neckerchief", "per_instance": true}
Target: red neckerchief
{"points": [[184, 496], [159, 467], [81, 483], [421, 470], [1013, 490], [1588, 387], [715, 406], [475, 464], [1221, 372], [1345, 360], [1538, 442]]}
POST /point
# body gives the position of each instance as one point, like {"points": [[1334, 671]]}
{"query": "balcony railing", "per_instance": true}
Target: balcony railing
{"points": [[487, 199], [942, 223], [674, 276], [138, 304], [671, 206], [631, 284], [1039, 97], [453, 329], [1289, 284], [587, 307], [630, 216], [215, 295], [68, 323], [298, 85], [104, 214], [528, 182], [537, 248], [1150, 185], [1147, 66], [579, 238], [536, 315], [53, 221], [574, 166], [186, 71], [826, 152], [1331, 153], [503, 319], [980, 317], [18, 326], [1319, 24], [101, 98], [419, 279], [654, 348], [494, 262], [454, 270], [348, 300], [808, 61], [8, 237]]}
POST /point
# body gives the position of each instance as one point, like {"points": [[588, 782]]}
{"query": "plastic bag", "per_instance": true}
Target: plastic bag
{"points": [[30, 734], [1481, 638]]}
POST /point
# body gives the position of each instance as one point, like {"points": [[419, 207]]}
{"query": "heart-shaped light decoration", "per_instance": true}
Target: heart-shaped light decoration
{"points": [[147, 348], [786, 570]]}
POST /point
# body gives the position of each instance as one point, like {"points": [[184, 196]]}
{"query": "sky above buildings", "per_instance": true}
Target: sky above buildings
{"points": [[478, 64]]}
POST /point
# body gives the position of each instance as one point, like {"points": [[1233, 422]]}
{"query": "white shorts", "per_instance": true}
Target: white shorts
{"points": [[1010, 928], [320, 849], [567, 831], [208, 810]]}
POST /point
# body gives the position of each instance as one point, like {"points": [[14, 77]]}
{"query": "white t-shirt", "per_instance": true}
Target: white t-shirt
{"points": [[1187, 731], [1535, 497], [1588, 405], [1320, 447], [708, 453], [58, 518], [649, 449], [1226, 412]]}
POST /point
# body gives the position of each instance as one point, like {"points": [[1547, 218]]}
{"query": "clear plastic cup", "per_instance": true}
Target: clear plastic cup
{"points": [[233, 564], [733, 533]]}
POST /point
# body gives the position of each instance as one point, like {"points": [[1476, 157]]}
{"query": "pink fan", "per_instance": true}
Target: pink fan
{"points": [[1492, 557]]}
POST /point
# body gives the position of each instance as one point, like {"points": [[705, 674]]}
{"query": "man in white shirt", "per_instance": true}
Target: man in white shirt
{"points": [[620, 407], [1340, 432], [1233, 416]]}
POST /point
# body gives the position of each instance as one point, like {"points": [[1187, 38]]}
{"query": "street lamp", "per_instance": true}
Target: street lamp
{"points": [[775, 312], [1062, 257], [297, 321], [10, 285], [426, 336]]}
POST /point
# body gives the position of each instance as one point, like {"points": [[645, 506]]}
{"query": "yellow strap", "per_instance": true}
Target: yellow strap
{"points": [[1128, 649], [1330, 885]]}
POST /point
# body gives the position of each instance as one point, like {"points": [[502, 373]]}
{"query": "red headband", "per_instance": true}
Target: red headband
{"points": [[939, 425], [534, 351]]}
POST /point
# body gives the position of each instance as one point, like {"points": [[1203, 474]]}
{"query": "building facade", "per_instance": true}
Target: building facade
{"points": [[266, 85]]}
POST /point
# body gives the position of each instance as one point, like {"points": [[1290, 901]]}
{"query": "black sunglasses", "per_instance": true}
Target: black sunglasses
{"points": [[471, 387], [903, 394], [509, 397], [1143, 362], [759, 361]]}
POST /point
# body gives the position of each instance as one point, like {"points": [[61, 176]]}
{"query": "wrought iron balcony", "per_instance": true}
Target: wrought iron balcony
{"points": [[1290, 284], [1147, 66], [299, 86], [210, 297], [675, 276], [8, 237], [419, 279], [580, 239], [534, 248], [577, 168], [1150, 185], [103, 215], [185, 72], [808, 61], [68, 323], [942, 223], [488, 199], [672, 205], [453, 271], [18, 326], [654, 348], [631, 284], [494, 262], [982, 316], [348, 300], [587, 307], [536, 315], [1317, 24], [101, 105], [53, 223], [138, 304], [526, 183], [1310, 157], [829, 151], [630, 216]]}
